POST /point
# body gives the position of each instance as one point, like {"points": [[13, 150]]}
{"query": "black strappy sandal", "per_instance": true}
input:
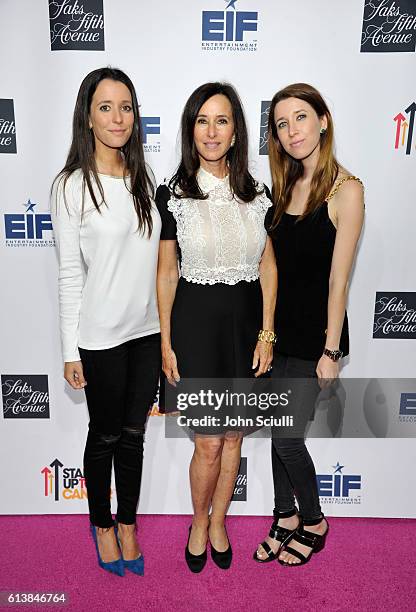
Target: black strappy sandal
{"points": [[313, 540], [280, 534]]}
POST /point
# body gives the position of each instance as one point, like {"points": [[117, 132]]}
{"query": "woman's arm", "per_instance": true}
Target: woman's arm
{"points": [[167, 281], [263, 354], [348, 205], [66, 225]]}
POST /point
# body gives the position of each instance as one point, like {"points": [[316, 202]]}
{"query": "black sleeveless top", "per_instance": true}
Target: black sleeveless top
{"points": [[303, 252]]}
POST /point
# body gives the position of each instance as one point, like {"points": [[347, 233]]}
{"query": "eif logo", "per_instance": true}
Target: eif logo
{"points": [[404, 128], [240, 487], [339, 488], [28, 229], [264, 120], [151, 127], [76, 26], [229, 29], [388, 26], [65, 482], [7, 127], [407, 412]]}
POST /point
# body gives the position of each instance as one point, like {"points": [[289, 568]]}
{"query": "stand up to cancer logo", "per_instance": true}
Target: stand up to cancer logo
{"points": [[404, 126]]}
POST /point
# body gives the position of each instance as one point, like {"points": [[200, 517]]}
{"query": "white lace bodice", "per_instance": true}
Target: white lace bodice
{"points": [[221, 238]]}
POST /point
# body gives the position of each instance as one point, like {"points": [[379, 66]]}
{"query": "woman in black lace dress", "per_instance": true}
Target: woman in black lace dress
{"points": [[213, 211]]}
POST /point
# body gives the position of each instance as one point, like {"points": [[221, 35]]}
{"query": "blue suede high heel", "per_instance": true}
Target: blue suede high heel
{"points": [[115, 567], [134, 565]]}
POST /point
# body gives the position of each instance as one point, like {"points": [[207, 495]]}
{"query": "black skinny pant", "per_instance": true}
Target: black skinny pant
{"points": [[293, 469], [121, 387]]}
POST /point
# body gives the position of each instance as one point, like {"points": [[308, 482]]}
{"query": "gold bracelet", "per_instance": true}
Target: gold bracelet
{"points": [[265, 335]]}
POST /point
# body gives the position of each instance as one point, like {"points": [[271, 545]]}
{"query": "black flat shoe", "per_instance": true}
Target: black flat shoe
{"points": [[280, 534], [313, 540], [222, 559], [196, 563]]}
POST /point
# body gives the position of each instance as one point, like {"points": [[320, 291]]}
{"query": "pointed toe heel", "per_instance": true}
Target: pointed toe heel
{"points": [[114, 567], [136, 565]]}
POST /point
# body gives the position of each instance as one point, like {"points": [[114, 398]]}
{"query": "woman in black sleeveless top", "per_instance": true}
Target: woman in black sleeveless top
{"points": [[315, 225]]}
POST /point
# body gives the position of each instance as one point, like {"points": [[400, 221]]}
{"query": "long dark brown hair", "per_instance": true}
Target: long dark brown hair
{"points": [[81, 153], [286, 170], [184, 183]]}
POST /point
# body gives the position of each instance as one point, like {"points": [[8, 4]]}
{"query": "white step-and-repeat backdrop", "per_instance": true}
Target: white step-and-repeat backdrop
{"points": [[361, 55]]}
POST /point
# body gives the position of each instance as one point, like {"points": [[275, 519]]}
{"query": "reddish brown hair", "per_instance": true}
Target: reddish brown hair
{"points": [[286, 170]]}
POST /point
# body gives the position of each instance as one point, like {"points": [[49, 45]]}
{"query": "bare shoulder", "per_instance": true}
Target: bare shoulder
{"points": [[347, 188], [346, 201], [351, 189], [349, 206]]}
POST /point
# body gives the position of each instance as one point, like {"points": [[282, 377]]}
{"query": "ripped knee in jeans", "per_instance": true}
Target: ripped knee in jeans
{"points": [[133, 430]]}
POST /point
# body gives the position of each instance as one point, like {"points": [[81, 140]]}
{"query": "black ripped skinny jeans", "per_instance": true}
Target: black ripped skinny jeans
{"points": [[121, 387], [293, 469]]}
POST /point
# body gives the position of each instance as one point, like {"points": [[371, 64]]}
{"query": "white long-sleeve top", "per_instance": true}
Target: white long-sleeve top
{"points": [[107, 268]]}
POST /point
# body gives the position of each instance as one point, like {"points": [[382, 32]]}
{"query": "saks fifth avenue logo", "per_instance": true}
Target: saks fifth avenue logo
{"points": [[264, 121], [7, 127], [229, 29], [25, 396], [240, 486], [388, 26], [395, 315], [76, 25], [63, 482], [403, 133]]}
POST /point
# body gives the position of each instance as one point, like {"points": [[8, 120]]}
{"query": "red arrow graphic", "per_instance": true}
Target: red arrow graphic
{"points": [[399, 118], [46, 471]]}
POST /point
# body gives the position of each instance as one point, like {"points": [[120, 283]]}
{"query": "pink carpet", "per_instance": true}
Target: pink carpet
{"points": [[367, 564]]}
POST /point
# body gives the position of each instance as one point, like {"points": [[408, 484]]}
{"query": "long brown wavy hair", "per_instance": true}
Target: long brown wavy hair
{"points": [[286, 170], [81, 153]]}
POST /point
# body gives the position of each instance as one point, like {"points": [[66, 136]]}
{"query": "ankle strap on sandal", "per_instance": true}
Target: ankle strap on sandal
{"points": [[282, 515], [312, 522], [307, 537]]}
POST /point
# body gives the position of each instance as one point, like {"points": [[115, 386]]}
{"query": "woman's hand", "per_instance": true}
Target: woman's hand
{"points": [[169, 365], [263, 357], [74, 374], [327, 371]]}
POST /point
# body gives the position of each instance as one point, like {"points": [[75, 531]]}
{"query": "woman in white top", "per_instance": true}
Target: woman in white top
{"points": [[107, 232], [213, 212]]}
